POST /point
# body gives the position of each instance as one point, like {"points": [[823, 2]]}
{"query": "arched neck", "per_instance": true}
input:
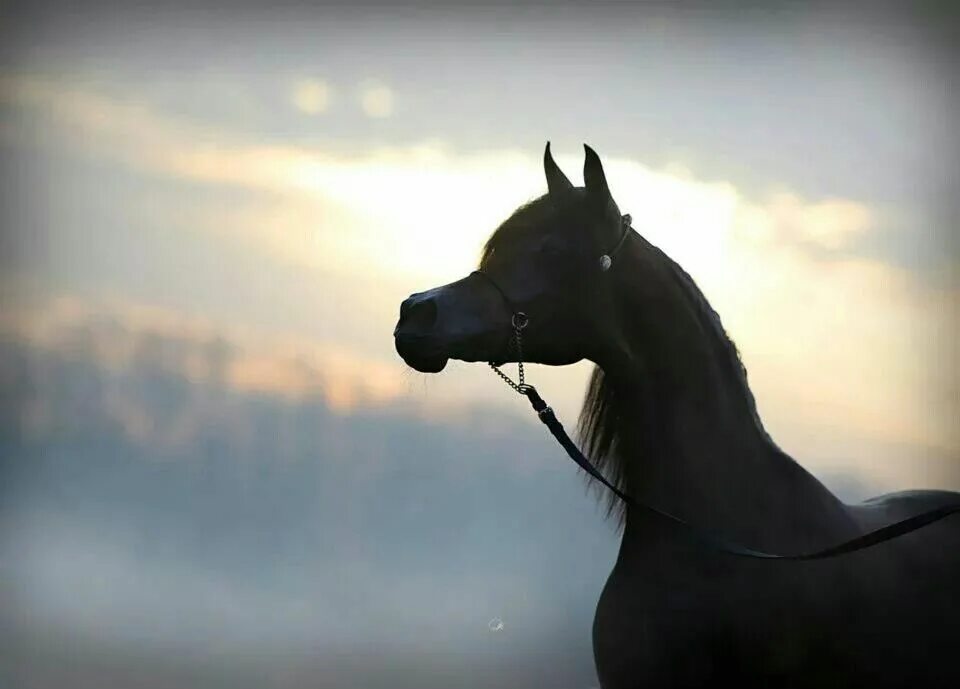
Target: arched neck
{"points": [[683, 429]]}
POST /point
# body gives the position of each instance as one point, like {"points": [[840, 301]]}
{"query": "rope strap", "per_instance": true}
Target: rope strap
{"points": [[545, 413], [519, 322]]}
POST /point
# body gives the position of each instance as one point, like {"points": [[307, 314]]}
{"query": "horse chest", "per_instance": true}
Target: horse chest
{"points": [[647, 633]]}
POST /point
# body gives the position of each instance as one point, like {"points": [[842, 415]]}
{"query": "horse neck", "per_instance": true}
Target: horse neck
{"points": [[687, 435]]}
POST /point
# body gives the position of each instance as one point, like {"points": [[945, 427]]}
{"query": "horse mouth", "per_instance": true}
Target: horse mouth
{"points": [[430, 354], [427, 364], [419, 356]]}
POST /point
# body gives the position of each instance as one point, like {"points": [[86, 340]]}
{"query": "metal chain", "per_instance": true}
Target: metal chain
{"points": [[519, 321]]}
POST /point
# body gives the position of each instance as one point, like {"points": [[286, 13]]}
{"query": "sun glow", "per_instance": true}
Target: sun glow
{"points": [[852, 338], [420, 212], [689, 219], [425, 212]]}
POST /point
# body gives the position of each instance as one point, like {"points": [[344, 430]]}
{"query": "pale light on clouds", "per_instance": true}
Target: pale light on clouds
{"points": [[376, 99], [311, 96], [785, 218], [117, 335], [844, 334], [839, 344]]}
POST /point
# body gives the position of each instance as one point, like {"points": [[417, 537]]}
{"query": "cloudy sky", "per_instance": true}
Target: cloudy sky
{"points": [[210, 217]]}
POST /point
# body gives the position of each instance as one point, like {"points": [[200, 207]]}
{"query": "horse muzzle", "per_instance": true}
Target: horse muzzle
{"points": [[434, 327], [420, 353]]}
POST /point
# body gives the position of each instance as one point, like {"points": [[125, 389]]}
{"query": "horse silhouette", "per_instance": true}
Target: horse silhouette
{"points": [[670, 420]]}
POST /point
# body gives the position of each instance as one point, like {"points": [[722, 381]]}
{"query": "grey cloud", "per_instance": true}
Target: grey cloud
{"points": [[371, 545]]}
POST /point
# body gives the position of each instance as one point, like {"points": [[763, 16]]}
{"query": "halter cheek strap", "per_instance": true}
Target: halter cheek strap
{"points": [[607, 259]]}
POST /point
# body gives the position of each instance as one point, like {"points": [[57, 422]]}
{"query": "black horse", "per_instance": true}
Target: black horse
{"points": [[670, 420]]}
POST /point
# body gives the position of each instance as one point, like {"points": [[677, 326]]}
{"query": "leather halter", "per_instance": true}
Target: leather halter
{"points": [[519, 321]]}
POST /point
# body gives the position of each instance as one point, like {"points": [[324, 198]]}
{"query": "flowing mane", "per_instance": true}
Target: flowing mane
{"points": [[604, 412]]}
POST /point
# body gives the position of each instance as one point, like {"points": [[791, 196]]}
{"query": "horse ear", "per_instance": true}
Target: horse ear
{"points": [[593, 178], [557, 182]]}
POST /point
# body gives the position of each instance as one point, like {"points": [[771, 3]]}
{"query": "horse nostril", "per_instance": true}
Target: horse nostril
{"points": [[417, 316]]}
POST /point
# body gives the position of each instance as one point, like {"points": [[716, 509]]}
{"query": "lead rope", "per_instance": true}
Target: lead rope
{"points": [[546, 415]]}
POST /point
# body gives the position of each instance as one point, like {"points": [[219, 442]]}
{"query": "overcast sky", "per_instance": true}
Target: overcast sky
{"points": [[278, 181]]}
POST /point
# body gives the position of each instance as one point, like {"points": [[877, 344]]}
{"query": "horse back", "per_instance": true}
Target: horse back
{"points": [[930, 555], [882, 509]]}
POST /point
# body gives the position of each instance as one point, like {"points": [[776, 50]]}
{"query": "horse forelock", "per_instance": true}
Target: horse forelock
{"points": [[530, 216]]}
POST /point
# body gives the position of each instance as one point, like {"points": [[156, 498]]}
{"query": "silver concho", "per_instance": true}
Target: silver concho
{"points": [[605, 263]]}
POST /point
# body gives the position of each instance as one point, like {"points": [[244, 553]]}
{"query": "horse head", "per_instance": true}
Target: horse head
{"points": [[546, 265]]}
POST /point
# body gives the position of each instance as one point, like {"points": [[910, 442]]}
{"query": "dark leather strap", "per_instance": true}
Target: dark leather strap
{"points": [[493, 282], [627, 219], [859, 543]]}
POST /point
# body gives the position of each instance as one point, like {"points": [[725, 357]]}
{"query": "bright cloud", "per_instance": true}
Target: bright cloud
{"points": [[826, 335], [830, 224], [397, 201], [311, 96], [376, 100]]}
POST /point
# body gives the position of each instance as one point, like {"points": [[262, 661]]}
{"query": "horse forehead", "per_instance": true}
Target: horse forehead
{"points": [[530, 227], [527, 236]]}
